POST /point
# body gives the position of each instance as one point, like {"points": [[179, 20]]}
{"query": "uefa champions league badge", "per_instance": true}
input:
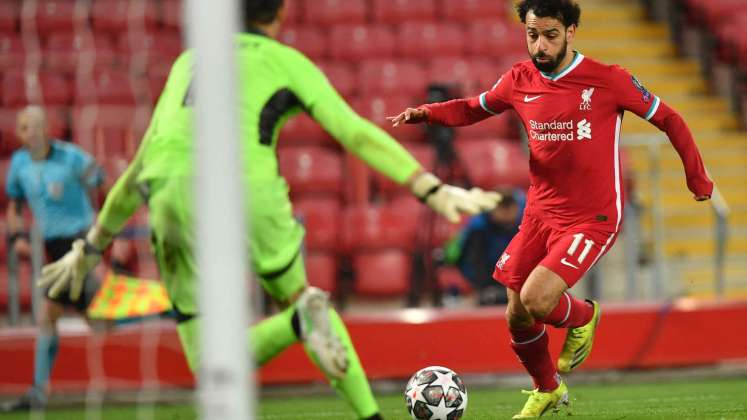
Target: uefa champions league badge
{"points": [[646, 94]]}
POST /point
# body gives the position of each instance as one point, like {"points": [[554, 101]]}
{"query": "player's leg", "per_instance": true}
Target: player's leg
{"points": [[571, 255], [309, 317]]}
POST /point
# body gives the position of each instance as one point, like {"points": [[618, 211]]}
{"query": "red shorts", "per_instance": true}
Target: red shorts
{"points": [[568, 253]]}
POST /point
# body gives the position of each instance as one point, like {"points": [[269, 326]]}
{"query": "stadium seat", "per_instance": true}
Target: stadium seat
{"points": [[151, 46], [4, 166], [12, 52], [380, 76], [423, 153], [10, 10], [469, 10], [495, 163], [46, 88], [382, 273], [341, 76], [425, 40], [325, 12], [309, 40], [119, 15], [302, 130], [467, 75], [25, 280], [503, 126], [359, 42], [171, 14], [367, 227], [377, 107], [54, 16], [311, 170], [109, 130], [321, 218], [321, 270], [70, 52], [400, 11], [450, 278], [490, 37], [106, 87]]}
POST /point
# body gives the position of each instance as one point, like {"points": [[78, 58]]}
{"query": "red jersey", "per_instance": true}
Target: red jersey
{"points": [[573, 119]]}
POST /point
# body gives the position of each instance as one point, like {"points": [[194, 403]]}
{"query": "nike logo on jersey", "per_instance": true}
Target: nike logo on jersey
{"points": [[528, 99], [565, 262]]}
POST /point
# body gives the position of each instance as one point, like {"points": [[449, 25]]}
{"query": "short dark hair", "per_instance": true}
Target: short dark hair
{"points": [[566, 11], [261, 11]]}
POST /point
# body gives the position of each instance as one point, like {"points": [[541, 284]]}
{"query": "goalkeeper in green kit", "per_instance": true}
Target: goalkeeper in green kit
{"points": [[275, 81]]}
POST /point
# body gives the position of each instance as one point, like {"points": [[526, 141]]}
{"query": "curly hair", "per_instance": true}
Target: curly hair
{"points": [[566, 11], [260, 11]]}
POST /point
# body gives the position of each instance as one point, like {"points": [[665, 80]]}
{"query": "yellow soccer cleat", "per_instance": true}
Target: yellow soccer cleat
{"points": [[578, 342], [540, 402]]}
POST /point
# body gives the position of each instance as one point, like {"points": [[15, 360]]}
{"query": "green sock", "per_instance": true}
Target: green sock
{"points": [[273, 335], [354, 387]]}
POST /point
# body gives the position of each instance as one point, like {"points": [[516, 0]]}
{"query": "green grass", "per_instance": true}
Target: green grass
{"points": [[709, 399]]}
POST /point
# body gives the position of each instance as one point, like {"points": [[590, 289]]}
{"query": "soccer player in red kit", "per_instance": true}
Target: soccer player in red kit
{"points": [[572, 109]]}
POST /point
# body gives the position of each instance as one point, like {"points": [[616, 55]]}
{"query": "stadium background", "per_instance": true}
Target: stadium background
{"points": [[98, 66]]}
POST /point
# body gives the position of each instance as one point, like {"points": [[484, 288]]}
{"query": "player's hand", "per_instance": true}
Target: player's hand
{"points": [[450, 201], [70, 271], [22, 247], [410, 116], [702, 197]]}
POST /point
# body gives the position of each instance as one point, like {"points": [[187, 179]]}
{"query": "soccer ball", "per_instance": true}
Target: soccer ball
{"points": [[436, 393]]}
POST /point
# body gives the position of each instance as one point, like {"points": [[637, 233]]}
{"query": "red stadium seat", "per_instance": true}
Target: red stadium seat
{"points": [[377, 108], [495, 163], [503, 126], [325, 12], [119, 15], [321, 270], [400, 11], [426, 40], [392, 76], [491, 38], [382, 273], [377, 227], [24, 279], [108, 87], [309, 40], [171, 14], [359, 42], [12, 52], [423, 153], [54, 16], [4, 166], [311, 170], [38, 88], [468, 76], [302, 130], [321, 218], [151, 46], [341, 76], [10, 10], [110, 130], [450, 278], [469, 10], [293, 12], [69, 52]]}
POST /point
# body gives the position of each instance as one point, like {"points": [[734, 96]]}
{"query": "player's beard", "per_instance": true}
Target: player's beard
{"points": [[550, 66]]}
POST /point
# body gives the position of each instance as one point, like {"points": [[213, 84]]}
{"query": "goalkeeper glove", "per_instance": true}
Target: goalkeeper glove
{"points": [[70, 271], [450, 201]]}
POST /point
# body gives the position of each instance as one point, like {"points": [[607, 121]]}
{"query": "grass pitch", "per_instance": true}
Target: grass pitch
{"points": [[702, 399]]}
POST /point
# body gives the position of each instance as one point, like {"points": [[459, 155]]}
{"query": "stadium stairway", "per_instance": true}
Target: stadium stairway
{"points": [[618, 31]]}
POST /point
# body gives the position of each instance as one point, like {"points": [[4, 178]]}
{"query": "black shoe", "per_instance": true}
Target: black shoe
{"points": [[26, 402]]}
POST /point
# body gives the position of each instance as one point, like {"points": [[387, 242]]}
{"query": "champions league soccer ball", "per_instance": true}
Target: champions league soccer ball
{"points": [[436, 393]]}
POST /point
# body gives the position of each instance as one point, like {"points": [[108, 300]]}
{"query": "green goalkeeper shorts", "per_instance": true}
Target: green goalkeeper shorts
{"points": [[274, 237]]}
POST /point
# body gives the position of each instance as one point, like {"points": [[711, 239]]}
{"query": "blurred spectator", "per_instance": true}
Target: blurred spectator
{"points": [[53, 178], [478, 246]]}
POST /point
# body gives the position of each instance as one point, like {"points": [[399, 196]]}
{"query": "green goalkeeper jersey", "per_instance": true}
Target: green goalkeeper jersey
{"points": [[275, 82]]}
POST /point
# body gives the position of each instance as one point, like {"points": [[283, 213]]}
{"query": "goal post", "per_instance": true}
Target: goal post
{"points": [[225, 380]]}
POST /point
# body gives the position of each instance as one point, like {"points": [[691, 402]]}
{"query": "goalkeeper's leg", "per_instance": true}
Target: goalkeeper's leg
{"points": [[308, 309]]}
